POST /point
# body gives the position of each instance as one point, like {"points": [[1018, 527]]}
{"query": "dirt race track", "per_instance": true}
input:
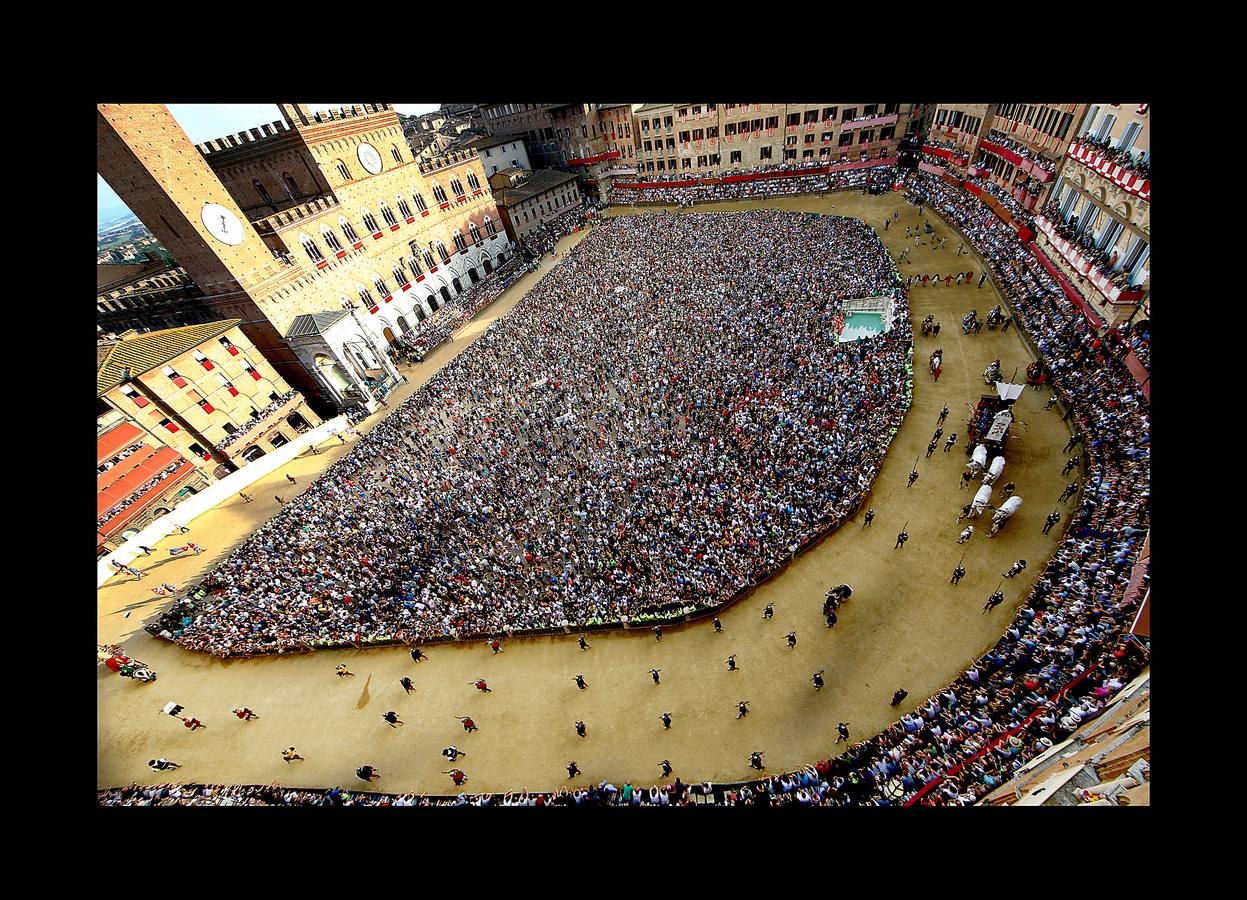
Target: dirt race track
{"points": [[905, 625]]}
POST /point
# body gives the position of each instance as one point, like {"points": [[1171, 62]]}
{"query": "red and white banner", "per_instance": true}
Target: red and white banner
{"points": [[1131, 182]]}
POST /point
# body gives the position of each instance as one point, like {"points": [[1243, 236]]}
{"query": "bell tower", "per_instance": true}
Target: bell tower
{"points": [[146, 157]]}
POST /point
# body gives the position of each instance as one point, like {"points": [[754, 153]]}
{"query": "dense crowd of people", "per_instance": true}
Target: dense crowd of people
{"points": [[950, 146], [663, 420], [878, 177], [1102, 259], [1118, 156], [125, 504], [1020, 214], [429, 334], [256, 420], [542, 239]]}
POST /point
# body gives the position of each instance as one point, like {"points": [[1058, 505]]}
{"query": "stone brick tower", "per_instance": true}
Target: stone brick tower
{"points": [[143, 155]]}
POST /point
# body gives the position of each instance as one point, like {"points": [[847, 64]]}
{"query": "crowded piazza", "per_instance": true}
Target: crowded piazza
{"points": [[842, 420]]}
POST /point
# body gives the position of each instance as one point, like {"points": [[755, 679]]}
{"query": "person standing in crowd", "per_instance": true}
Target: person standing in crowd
{"points": [[417, 654], [580, 682], [901, 539], [657, 629], [769, 611], [1015, 569], [870, 517], [755, 760], [899, 697], [731, 663], [842, 730], [742, 709], [584, 644], [1071, 463], [1052, 518], [817, 679], [718, 626], [1070, 490], [832, 619], [948, 444], [792, 639], [407, 684], [993, 601], [913, 476], [930, 449], [580, 729], [654, 674], [665, 718], [958, 574], [666, 768], [572, 769]]}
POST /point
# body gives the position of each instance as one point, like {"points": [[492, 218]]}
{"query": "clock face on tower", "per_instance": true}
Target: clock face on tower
{"points": [[369, 158], [222, 224]]}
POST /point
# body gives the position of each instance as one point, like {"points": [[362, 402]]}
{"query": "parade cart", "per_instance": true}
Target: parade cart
{"points": [[990, 421]]}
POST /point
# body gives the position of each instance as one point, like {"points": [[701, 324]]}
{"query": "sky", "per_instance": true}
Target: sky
{"points": [[208, 121]]}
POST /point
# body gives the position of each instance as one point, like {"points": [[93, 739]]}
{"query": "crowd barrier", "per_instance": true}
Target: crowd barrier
{"points": [[209, 497]]}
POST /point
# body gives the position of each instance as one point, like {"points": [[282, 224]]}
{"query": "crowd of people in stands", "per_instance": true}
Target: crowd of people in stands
{"points": [[125, 504], [879, 177], [257, 419], [1067, 651], [124, 454], [542, 239], [641, 434], [429, 334], [951, 146], [1038, 161], [1103, 259], [1020, 214], [1118, 156]]}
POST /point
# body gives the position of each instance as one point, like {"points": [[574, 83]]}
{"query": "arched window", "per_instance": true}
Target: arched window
{"points": [[441, 248], [382, 290], [387, 214], [428, 259], [439, 193], [400, 278], [404, 208], [343, 170], [263, 192], [460, 243], [292, 186], [456, 186], [420, 204], [348, 230], [473, 182], [414, 264], [331, 239], [398, 157], [489, 227], [370, 222], [311, 248], [365, 297], [475, 232]]}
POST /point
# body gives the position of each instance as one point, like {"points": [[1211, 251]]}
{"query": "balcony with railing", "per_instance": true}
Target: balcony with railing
{"points": [[1114, 287], [271, 415], [1119, 167]]}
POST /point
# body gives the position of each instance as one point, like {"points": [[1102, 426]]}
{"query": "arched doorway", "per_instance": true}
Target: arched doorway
{"points": [[502, 257], [251, 454], [458, 285], [434, 303], [403, 327], [420, 314], [445, 292], [476, 279], [489, 267], [388, 332], [297, 422]]}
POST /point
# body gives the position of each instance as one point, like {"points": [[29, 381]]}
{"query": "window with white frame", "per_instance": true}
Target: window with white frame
{"points": [[310, 247], [489, 227], [474, 232], [460, 243], [331, 239], [348, 230], [343, 170]]}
